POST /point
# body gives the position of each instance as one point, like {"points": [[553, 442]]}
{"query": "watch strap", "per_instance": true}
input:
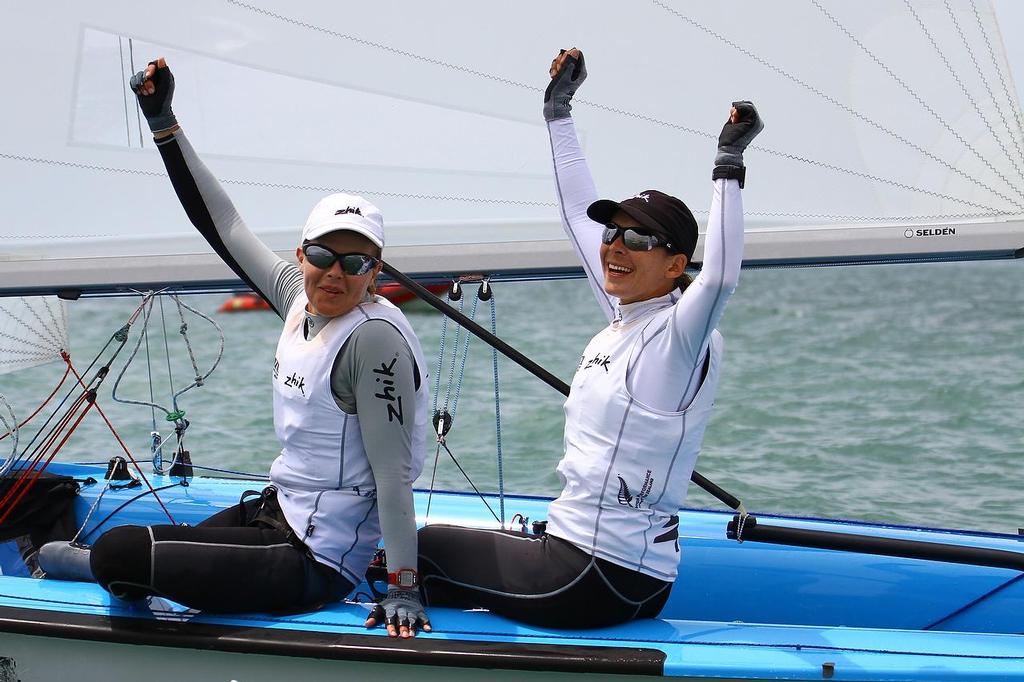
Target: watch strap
{"points": [[730, 173]]}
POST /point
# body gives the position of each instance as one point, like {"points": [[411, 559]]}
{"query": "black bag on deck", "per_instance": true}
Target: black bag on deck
{"points": [[45, 512]]}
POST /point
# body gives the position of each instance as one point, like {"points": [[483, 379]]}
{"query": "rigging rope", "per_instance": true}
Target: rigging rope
{"points": [[486, 288], [49, 440], [174, 414], [92, 508], [443, 417], [156, 454], [67, 370], [152, 491]]}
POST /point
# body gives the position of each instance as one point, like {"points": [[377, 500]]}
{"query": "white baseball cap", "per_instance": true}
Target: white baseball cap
{"points": [[345, 212]]}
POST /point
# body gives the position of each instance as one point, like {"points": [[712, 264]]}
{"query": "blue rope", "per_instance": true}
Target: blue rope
{"points": [[462, 365], [455, 356], [497, 411], [440, 360]]}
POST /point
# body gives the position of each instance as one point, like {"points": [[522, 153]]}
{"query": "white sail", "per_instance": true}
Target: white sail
{"points": [[33, 331], [894, 130]]}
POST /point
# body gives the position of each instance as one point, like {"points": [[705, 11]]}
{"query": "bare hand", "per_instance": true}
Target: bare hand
{"points": [[148, 88]]}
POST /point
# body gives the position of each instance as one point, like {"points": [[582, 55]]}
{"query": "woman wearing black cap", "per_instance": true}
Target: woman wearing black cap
{"points": [[639, 403]]}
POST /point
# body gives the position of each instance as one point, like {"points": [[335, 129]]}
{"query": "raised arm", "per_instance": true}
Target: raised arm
{"points": [[574, 185], [204, 200], [701, 305]]}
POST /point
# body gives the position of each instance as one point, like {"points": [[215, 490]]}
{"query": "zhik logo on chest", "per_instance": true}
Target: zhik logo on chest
{"points": [[598, 360], [291, 381]]}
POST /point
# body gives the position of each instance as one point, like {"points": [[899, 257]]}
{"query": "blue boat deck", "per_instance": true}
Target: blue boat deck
{"points": [[738, 611]]}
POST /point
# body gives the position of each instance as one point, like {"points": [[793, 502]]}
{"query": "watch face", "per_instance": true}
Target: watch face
{"points": [[405, 578]]}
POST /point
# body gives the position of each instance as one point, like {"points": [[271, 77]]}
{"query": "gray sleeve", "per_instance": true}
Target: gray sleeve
{"points": [[208, 208], [375, 377]]}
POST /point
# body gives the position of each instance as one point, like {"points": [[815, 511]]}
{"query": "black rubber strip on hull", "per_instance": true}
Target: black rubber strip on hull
{"points": [[332, 646]]}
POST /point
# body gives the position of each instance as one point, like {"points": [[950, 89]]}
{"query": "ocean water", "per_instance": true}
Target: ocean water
{"points": [[889, 393]]}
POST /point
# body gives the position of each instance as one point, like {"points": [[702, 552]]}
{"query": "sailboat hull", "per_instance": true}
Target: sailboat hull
{"points": [[747, 611]]}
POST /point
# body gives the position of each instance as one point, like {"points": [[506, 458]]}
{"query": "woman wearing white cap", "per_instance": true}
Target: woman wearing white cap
{"points": [[639, 403], [349, 409]]}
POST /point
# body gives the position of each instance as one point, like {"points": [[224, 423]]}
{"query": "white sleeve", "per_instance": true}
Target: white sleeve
{"points": [[699, 309], [575, 189], [669, 366]]}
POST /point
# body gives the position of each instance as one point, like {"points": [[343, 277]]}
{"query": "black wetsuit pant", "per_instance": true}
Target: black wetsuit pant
{"points": [[536, 579], [244, 558]]}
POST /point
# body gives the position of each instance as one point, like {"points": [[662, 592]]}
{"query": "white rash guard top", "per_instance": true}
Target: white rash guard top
{"points": [[325, 484], [644, 389]]}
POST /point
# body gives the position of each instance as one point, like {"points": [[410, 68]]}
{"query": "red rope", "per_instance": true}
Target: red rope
{"points": [[27, 482], [20, 481], [67, 359], [30, 474]]}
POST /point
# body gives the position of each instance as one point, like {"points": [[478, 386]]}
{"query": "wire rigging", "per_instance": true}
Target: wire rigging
{"points": [[444, 413], [174, 413]]}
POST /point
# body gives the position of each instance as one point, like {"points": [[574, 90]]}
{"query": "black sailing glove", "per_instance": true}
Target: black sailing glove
{"points": [[733, 139], [156, 107], [562, 87]]}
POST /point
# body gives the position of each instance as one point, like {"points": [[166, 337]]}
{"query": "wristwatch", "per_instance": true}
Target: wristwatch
{"points": [[406, 578]]}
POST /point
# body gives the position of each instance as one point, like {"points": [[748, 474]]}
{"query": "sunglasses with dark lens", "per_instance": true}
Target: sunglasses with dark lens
{"points": [[633, 238], [351, 263]]}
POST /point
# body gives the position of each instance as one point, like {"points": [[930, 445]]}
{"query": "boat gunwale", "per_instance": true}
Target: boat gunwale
{"points": [[320, 644]]}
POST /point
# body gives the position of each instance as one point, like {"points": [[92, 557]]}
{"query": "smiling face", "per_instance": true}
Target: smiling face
{"points": [[638, 275], [331, 292]]}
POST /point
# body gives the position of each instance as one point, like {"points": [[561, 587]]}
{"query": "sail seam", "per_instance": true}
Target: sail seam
{"points": [[987, 211], [622, 112], [1008, 99], [988, 88], [835, 102], [924, 105]]}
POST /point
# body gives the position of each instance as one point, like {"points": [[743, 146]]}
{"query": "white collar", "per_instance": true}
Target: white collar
{"points": [[628, 312]]}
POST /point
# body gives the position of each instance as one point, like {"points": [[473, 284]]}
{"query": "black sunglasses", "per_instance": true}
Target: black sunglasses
{"points": [[633, 238], [351, 263]]}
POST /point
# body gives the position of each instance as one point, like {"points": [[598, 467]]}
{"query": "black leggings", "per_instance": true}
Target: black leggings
{"points": [[536, 579], [243, 558]]}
